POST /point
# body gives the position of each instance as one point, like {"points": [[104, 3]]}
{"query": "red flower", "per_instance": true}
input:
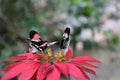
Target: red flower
{"points": [[43, 66]]}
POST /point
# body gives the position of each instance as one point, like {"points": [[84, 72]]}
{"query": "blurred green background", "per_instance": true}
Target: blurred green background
{"points": [[90, 22]]}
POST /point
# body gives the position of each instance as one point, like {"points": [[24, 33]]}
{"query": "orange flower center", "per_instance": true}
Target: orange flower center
{"points": [[54, 56]]}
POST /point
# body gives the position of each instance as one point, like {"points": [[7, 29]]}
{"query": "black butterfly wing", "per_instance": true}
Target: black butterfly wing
{"points": [[65, 39]]}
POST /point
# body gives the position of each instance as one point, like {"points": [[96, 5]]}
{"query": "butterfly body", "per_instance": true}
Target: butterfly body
{"points": [[38, 46]]}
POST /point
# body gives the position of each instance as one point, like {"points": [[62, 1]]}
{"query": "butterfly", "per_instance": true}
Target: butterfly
{"points": [[37, 44]]}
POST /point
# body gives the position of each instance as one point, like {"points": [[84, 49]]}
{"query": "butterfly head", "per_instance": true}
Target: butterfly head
{"points": [[66, 33], [34, 36]]}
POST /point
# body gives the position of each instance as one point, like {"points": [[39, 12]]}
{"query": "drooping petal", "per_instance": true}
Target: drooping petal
{"points": [[24, 57], [86, 76], [85, 58], [34, 76], [40, 74], [85, 64], [62, 67], [68, 54], [34, 56], [53, 74], [10, 66], [91, 65], [16, 70], [14, 58], [87, 70], [29, 71], [75, 72]]}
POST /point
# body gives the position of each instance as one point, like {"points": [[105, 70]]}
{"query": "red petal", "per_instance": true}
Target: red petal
{"points": [[8, 67], [75, 72], [40, 74], [85, 74], [16, 70], [34, 76], [62, 67], [15, 58], [87, 70], [29, 71], [85, 64], [34, 56], [85, 58], [23, 57], [68, 54], [54, 74]]}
